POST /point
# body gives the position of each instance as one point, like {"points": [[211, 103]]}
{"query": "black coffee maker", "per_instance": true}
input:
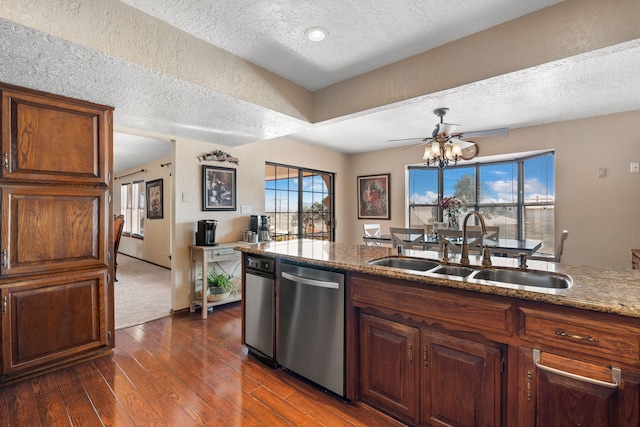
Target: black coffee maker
{"points": [[260, 225], [206, 232]]}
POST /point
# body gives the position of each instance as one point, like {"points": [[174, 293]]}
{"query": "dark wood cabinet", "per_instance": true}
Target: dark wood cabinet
{"points": [[568, 392], [51, 319], [56, 237], [52, 228], [54, 139], [429, 378], [389, 366], [462, 382], [468, 360]]}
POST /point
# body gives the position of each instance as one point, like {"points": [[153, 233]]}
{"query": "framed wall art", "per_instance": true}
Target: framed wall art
{"points": [[373, 197], [155, 208], [218, 188]]}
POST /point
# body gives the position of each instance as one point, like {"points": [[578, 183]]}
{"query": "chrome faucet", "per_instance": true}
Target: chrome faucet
{"points": [[464, 257]]}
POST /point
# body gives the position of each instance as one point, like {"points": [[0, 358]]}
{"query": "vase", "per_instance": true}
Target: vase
{"points": [[216, 294], [453, 222]]}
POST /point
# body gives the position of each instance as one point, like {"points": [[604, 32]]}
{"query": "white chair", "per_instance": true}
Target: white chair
{"points": [[409, 238], [559, 249], [372, 230], [474, 240], [493, 231]]}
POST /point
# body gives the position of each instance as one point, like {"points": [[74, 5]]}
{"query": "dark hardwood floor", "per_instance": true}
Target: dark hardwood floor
{"points": [[181, 371]]}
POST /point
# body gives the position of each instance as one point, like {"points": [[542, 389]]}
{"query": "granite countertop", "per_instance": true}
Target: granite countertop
{"points": [[601, 289]]}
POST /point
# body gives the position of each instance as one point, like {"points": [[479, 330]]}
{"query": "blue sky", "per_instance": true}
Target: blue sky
{"points": [[499, 182]]}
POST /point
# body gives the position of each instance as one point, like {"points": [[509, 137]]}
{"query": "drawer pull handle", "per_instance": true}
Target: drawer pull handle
{"points": [[616, 373], [577, 337]]}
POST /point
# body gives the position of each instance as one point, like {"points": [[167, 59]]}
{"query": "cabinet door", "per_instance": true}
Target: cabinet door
{"points": [[54, 139], [564, 392], [47, 229], [389, 366], [51, 319], [462, 382]]}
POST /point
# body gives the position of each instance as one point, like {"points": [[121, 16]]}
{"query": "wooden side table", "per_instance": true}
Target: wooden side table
{"points": [[206, 255]]}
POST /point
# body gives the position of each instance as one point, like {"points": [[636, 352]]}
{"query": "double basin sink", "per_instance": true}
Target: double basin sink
{"points": [[530, 280]]}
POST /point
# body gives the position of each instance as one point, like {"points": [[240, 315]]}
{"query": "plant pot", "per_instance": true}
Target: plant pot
{"points": [[217, 294]]}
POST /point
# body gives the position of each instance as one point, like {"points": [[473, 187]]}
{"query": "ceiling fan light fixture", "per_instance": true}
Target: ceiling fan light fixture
{"points": [[456, 150], [316, 34]]}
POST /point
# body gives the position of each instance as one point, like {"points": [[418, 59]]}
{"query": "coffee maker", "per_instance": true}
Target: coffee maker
{"points": [[206, 232], [260, 225]]}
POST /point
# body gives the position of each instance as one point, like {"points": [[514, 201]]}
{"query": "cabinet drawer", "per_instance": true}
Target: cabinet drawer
{"points": [[480, 313], [588, 334]]}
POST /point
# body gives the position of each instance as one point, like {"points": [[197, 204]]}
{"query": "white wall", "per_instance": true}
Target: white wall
{"points": [[155, 247], [601, 214]]}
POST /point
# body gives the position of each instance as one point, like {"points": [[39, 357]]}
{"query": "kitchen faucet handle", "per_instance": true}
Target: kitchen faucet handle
{"points": [[486, 256], [523, 261], [445, 251]]}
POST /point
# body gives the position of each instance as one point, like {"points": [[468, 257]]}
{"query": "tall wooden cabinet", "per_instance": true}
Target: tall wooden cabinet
{"points": [[55, 272]]}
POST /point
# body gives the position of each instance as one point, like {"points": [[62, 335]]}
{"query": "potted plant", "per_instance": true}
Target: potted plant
{"points": [[220, 286]]}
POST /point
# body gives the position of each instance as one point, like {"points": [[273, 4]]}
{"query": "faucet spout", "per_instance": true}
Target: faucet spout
{"points": [[464, 257]]}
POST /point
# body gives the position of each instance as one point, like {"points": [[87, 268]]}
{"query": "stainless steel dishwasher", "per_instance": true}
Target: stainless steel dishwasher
{"points": [[311, 321], [259, 321]]}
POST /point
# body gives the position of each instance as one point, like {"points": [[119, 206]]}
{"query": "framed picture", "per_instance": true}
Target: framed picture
{"points": [[373, 197], [218, 188], [155, 206]]}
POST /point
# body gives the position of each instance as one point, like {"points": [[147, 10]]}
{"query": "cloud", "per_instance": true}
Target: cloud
{"points": [[427, 198]]}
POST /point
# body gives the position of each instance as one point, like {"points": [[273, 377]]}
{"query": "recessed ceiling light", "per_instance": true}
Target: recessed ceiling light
{"points": [[316, 34]]}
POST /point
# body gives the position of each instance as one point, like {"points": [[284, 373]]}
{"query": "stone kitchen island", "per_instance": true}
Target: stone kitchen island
{"points": [[445, 350]]}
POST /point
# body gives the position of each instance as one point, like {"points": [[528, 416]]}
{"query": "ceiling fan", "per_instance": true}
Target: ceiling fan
{"points": [[444, 145]]}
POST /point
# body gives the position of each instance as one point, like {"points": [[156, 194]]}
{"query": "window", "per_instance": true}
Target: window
{"points": [[132, 206], [517, 195], [300, 202]]}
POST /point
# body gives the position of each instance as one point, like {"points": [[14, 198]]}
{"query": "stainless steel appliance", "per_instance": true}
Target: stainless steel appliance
{"points": [[260, 308], [311, 314], [206, 232], [260, 224]]}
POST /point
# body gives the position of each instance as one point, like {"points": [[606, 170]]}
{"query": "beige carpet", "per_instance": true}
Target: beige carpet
{"points": [[142, 292]]}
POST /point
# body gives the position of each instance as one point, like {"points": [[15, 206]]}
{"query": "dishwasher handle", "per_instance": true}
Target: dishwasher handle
{"points": [[311, 282]]}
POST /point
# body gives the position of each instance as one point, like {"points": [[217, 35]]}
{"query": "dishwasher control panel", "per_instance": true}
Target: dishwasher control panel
{"points": [[261, 264]]}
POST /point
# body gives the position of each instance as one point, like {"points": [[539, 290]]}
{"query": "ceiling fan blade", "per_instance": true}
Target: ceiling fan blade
{"points": [[483, 133], [410, 139], [445, 129]]}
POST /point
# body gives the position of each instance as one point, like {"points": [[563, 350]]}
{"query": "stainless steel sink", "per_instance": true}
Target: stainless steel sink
{"points": [[530, 280], [453, 270], [416, 264], [525, 278]]}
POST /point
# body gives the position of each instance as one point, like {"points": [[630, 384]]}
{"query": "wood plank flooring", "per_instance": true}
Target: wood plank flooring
{"points": [[181, 371]]}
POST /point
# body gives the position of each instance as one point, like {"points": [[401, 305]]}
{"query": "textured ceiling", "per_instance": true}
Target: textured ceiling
{"points": [[363, 35]]}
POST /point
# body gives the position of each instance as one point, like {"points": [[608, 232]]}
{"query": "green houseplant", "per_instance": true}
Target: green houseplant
{"points": [[220, 286]]}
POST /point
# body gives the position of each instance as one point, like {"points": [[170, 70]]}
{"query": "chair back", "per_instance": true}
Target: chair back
{"points": [[558, 255], [118, 226], [560, 248], [410, 238], [493, 231], [474, 240], [372, 230]]}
